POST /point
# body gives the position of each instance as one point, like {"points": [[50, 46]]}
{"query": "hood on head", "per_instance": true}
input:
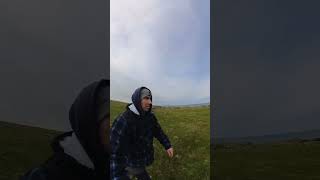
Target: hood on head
{"points": [[85, 117], [136, 100]]}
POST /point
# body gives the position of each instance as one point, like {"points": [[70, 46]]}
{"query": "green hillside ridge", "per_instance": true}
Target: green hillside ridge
{"points": [[189, 131], [277, 161], [23, 147]]}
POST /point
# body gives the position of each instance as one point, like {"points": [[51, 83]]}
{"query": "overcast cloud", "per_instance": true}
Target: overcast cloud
{"points": [[266, 67], [162, 46]]}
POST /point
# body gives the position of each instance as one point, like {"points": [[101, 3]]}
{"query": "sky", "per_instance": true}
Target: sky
{"points": [[49, 51], [265, 64], [163, 45], [265, 67]]}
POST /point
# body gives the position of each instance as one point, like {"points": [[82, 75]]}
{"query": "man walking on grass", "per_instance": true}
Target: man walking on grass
{"points": [[131, 138]]}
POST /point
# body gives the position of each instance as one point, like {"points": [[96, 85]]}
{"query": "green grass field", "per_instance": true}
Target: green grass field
{"points": [[276, 161], [22, 147], [189, 131]]}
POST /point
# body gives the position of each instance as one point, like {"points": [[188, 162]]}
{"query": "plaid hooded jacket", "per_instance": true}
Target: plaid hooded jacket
{"points": [[131, 139]]}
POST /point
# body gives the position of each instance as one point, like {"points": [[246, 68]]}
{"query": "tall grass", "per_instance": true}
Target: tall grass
{"points": [[189, 132]]}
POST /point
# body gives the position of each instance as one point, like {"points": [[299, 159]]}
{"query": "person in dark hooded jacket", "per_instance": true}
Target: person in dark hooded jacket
{"points": [[132, 136], [81, 154]]}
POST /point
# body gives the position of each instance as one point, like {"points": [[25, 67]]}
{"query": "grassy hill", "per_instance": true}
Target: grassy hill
{"points": [[292, 160], [189, 131], [23, 147], [271, 138]]}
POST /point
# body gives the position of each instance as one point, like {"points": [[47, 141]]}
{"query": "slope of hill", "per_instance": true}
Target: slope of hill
{"points": [[276, 161], [303, 135], [21, 148], [285, 156], [189, 105], [24, 147], [189, 132]]}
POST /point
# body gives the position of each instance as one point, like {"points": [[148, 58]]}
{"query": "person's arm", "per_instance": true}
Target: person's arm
{"points": [[35, 174], [160, 135], [117, 160]]}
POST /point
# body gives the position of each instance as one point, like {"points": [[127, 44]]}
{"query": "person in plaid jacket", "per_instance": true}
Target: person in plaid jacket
{"points": [[131, 138]]}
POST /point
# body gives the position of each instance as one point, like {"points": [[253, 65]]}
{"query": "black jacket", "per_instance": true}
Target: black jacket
{"points": [[84, 158], [132, 138]]}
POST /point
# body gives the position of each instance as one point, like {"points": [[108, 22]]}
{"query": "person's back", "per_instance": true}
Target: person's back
{"points": [[83, 153]]}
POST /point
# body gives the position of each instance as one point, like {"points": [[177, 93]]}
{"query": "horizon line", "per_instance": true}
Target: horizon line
{"points": [[208, 103]]}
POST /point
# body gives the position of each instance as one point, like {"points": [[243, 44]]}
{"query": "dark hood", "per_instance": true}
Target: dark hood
{"points": [[137, 101], [84, 119]]}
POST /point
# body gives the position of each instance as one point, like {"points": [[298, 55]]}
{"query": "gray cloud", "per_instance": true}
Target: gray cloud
{"points": [[161, 45], [49, 51], [265, 67]]}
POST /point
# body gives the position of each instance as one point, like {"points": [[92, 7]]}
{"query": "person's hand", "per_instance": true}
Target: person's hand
{"points": [[170, 152]]}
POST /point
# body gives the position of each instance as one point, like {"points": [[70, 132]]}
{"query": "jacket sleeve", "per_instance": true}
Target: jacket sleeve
{"points": [[117, 159], [35, 174], [160, 135]]}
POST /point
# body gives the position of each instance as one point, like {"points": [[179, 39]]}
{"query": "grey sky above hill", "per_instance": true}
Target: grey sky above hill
{"points": [[50, 50], [266, 67], [164, 45]]}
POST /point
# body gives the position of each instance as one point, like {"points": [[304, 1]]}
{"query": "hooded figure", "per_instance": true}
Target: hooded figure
{"points": [[81, 154], [131, 139]]}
